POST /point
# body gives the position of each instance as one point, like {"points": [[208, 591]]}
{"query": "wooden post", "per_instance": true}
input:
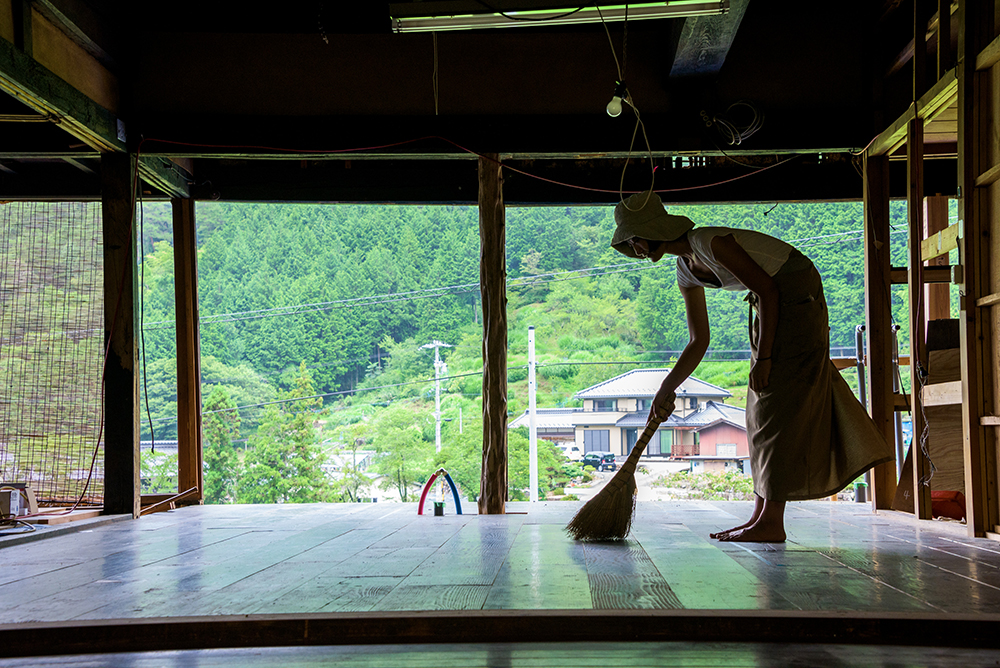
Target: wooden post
{"points": [[492, 280], [977, 112], [937, 296], [921, 13], [945, 52], [918, 344], [189, 446], [878, 319], [121, 380]]}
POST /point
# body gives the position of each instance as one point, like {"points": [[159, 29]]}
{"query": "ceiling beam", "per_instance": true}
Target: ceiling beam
{"points": [[78, 21], [166, 176], [705, 41], [37, 87], [594, 181], [933, 102]]}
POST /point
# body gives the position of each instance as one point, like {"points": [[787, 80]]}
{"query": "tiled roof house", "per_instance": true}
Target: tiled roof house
{"points": [[614, 414]]}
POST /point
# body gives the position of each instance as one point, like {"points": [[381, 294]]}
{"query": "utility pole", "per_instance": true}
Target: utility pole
{"points": [[532, 423], [440, 368]]}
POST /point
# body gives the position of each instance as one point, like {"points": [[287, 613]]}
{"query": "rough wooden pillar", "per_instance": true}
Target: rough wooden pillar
{"points": [[977, 126], [189, 452], [918, 343], [492, 280], [121, 380], [937, 296], [878, 319]]}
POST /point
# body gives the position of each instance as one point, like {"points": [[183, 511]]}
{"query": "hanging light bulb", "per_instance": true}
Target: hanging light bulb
{"points": [[615, 105]]}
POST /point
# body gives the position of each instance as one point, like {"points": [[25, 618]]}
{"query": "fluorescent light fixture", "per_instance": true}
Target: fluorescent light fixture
{"points": [[554, 16]]}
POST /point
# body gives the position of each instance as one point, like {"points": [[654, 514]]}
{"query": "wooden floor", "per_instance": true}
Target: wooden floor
{"points": [[211, 561], [539, 655], [224, 560]]}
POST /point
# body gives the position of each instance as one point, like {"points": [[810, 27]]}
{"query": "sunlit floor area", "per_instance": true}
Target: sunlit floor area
{"points": [[387, 568], [227, 560]]}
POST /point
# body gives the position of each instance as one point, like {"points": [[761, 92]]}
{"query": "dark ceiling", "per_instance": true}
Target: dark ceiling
{"points": [[321, 101]]}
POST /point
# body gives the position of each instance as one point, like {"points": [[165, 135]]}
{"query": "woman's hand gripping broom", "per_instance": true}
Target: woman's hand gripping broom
{"points": [[608, 516]]}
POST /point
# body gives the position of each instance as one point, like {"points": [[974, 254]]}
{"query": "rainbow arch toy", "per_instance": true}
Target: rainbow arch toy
{"points": [[430, 483]]}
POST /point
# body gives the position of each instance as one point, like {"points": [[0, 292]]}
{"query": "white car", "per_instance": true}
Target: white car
{"points": [[572, 452]]}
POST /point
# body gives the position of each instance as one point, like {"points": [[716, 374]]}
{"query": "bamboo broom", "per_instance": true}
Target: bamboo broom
{"points": [[608, 516]]}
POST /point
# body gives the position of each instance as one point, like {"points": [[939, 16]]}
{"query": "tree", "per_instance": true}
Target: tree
{"points": [[220, 425], [283, 463], [550, 462], [402, 456], [158, 472], [350, 480]]}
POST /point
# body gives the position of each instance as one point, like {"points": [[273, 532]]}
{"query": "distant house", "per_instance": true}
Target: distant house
{"points": [[722, 439], [614, 414]]}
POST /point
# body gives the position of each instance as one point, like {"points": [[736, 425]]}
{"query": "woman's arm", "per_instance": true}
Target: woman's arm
{"points": [[732, 256], [694, 351]]}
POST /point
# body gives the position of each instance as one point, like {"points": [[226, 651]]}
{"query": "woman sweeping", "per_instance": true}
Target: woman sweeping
{"points": [[809, 436]]}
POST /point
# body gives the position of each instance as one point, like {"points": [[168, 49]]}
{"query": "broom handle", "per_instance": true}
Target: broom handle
{"points": [[640, 446]]}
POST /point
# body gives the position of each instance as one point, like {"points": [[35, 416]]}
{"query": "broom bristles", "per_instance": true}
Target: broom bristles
{"points": [[608, 515]]}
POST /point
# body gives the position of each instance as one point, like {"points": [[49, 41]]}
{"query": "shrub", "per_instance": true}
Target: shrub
{"points": [[709, 486]]}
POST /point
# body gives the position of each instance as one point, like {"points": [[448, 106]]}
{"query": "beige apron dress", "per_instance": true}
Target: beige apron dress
{"points": [[809, 435]]}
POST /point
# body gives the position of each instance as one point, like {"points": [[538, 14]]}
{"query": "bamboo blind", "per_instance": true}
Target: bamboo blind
{"points": [[51, 337]]}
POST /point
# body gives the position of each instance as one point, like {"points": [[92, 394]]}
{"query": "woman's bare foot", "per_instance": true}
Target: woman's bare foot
{"points": [[769, 527], [760, 532], [720, 535], [758, 508]]}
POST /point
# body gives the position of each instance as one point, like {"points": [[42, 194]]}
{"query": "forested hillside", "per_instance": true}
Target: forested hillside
{"points": [[347, 295]]}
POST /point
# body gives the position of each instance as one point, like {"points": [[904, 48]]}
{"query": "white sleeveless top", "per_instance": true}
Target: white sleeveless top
{"points": [[765, 250]]}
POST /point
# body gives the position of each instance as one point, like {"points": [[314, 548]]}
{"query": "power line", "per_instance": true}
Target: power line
{"points": [[465, 288], [393, 297]]}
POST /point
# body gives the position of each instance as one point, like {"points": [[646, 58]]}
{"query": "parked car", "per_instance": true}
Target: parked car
{"points": [[602, 461], [572, 452]]}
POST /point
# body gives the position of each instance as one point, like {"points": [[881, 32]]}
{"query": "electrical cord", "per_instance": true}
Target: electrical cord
{"points": [[734, 133], [142, 311], [627, 99], [7, 524], [460, 147]]}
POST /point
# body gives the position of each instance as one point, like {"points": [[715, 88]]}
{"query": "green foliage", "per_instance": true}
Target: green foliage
{"points": [[244, 386], [550, 466], [710, 485], [283, 463], [349, 482], [403, 456], [221, 423], [158, 472]]}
